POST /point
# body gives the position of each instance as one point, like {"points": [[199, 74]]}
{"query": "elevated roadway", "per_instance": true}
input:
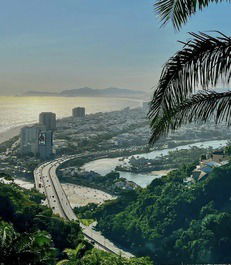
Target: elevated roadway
{"points": [[47, 182]]}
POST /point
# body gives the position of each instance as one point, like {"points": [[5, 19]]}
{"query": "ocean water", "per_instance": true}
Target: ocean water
{"points": [[17, 111]]}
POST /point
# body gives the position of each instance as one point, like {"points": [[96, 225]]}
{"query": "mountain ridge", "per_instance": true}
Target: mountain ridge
{"points": [[89, 92]]}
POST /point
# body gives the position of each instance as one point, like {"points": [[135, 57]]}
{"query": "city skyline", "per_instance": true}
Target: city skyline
{"points": [[52, 45]]}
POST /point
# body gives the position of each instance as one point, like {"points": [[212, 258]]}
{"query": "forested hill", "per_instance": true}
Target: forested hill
{"points": [[173, 222], [30, 234], [22, 217]]}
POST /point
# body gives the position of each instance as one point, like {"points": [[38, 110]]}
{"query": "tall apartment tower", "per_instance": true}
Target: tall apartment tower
{"points": [[29, 139], [48, 120], [36, 140], [78, 112], [45, 144]]}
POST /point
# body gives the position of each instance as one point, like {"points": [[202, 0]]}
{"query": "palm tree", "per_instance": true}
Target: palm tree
{"points": [[74, 255], [25, 248], [204, 61], [178, 11]]}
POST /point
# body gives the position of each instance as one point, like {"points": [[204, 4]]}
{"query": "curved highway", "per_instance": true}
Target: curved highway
{"points": [[47, 182]]}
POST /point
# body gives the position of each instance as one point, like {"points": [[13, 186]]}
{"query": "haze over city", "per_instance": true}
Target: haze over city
{"points": [[52, 45], [114, 137]]}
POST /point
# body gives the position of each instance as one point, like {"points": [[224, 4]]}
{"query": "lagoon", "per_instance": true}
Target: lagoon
{"points": [[106, 165]]}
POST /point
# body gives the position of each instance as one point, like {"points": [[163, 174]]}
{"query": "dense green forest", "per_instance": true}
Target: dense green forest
{"points": [[30, 234], [171, 221]]}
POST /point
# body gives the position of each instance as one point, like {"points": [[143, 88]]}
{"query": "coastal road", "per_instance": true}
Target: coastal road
{"points": [[47, 182]]}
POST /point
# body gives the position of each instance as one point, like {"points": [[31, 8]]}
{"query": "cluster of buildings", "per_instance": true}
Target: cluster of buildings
{"points": [[127, 128], [37, 140], [113, 130], [199, 131], [206, 166]]}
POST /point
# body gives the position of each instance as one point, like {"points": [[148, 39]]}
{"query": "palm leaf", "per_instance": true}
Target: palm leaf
{"points": [[203, 106], [63, 262], [178, 11], [202, 62]]}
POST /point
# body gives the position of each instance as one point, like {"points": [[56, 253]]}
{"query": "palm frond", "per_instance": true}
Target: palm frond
{"points": [[178, 11], [202, 62], [203, 106]]}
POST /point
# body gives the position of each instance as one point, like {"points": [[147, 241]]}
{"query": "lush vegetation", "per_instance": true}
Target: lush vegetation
{"points": [[25, 248], [31, 234], [92, 210], [171, 221], [107, 183], [82, 256], [21, 208]]}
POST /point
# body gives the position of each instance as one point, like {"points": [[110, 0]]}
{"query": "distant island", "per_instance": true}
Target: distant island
{"points": [[89, 92]]}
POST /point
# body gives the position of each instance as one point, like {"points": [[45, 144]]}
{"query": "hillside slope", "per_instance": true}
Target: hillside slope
{"points": [[173, 222]]}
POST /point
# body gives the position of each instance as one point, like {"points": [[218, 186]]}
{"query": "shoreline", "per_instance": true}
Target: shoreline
{"points": [[10, 133]]}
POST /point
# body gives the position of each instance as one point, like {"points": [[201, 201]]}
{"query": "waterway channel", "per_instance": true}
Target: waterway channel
{"points": [[106, 165]]}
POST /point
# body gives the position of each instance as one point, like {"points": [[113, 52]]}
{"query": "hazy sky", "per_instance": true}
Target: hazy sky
{"points": [[62, 44]]}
